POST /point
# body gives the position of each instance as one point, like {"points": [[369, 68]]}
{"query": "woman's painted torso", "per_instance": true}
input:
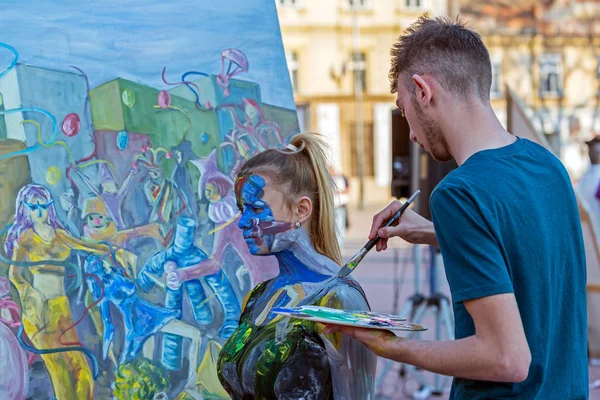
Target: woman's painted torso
{"points": [[272, 357]]}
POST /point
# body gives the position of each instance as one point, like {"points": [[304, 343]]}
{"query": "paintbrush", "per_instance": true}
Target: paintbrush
{"points": [[354, 261]]}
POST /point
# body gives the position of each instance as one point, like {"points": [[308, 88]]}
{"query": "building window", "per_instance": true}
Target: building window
{"points": [[496, 89], [357, 4], [359, 69], [550, 75], [414, 3], [368, 149], [292, 62]]}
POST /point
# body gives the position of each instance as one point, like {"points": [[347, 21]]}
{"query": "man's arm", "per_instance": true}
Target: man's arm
{"points": [[497, 352]]}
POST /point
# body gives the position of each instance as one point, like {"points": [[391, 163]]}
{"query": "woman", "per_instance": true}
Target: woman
{"points": [[37, 235], [286, 201]]}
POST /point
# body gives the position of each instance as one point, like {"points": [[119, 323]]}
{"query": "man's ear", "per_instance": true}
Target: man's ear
{"points": [[304, 209], [423, 90]]}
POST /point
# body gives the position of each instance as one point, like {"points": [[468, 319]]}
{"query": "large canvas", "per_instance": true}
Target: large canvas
{"points": [[122, 126]]}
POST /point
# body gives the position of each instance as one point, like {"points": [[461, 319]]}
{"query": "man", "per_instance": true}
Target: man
{"points": [[588, 188], [506, 222]]}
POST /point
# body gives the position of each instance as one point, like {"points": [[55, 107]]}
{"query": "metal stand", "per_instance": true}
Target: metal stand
{"points": [[415, 309]]}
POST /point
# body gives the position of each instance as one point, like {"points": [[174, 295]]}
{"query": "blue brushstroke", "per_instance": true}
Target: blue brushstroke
{"points": [[37, 145], [14, 61], [190, 86], [85, 351]]}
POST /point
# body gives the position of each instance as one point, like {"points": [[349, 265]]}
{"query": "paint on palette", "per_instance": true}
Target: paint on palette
{"points": [[118, 221], [364, 319]]}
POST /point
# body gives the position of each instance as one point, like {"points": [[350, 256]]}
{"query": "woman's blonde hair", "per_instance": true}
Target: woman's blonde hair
{"points": [[303, 172]]}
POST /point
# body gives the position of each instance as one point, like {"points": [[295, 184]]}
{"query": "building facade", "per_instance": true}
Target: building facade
{"points": [[548, 53], [338, 57]]}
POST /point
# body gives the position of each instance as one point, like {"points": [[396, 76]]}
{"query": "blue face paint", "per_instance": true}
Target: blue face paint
{"points": [[257, 222]]}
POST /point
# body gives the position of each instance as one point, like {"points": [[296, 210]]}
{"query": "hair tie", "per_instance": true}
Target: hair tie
{"points": [[291, 149]]}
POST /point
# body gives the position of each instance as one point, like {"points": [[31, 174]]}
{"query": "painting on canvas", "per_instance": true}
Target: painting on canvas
{"points": [[122, 126]]}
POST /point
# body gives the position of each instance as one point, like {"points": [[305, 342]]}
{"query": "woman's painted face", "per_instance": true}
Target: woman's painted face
{"points": [[264, 213], [211, 193], [38, 209], [97, 221]]}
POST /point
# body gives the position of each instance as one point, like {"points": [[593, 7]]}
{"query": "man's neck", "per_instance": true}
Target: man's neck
{"points": [[473, 130]]}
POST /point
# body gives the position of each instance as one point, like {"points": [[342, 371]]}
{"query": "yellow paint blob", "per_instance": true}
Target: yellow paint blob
{"points": [[53, 175]]}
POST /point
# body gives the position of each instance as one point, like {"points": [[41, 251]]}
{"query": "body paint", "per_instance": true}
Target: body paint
{"points": [[257, 223]]}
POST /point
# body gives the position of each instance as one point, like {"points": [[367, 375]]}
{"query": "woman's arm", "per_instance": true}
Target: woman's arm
{"points": [[14, 274], [124, 257]]}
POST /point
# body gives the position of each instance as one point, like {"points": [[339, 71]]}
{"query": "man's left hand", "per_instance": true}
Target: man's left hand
{"points": [[378, 341]]}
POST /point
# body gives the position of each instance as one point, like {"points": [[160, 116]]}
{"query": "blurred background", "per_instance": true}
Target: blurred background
{"points": [[546, 87]]}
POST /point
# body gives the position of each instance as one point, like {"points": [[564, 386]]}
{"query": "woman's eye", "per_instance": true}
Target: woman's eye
{"points": [[258, 210]]}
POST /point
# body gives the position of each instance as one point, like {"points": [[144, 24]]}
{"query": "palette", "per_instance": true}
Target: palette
{"points": [[360, 319]]}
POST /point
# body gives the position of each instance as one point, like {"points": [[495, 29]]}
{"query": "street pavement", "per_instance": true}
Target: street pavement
{"points": [[388, 279]]}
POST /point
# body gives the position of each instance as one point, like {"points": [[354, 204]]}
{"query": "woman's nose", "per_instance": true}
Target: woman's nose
{"points": [[245, 222]]}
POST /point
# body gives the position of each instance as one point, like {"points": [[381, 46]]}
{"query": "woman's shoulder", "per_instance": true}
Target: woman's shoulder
{"points": [[345, 293]]}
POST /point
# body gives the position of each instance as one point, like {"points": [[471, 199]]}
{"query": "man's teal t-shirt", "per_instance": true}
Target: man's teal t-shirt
{"points": [[507, 222]]}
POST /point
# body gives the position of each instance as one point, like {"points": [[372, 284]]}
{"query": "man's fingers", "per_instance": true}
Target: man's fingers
{"points": [[382, 217], [392, 231], [329, 329], [382, 244]]}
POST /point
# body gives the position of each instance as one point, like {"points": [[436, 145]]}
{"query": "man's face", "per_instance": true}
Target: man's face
{"points": [[424, 129]]}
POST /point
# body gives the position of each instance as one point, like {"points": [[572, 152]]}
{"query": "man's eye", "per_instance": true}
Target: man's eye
{"points": [[258, 210]]}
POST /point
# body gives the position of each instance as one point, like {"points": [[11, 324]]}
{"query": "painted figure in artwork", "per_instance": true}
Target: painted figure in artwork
{"points": [[253, 133], [98, 225], [109, 283], [181, 177], [37, 235], [166, 200], [286, 201]]}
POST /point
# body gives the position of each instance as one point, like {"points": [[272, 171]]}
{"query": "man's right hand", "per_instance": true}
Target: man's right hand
{"points": [[412, 227]]}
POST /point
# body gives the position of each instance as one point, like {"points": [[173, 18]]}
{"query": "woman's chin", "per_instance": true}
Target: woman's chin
{"points": [[255, 250]]}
